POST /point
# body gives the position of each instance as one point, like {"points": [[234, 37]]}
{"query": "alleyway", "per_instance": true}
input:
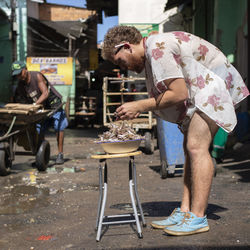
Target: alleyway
{"points": [[57, 209]]}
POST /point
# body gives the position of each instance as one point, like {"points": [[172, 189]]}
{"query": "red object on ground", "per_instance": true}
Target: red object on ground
{"points": [[44, 237]]}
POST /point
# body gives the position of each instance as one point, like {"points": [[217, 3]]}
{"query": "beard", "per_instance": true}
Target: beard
{"points": [[137, 65]]}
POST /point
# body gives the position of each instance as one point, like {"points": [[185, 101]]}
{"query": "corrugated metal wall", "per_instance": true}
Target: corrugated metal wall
{"points": [[5, 60]]}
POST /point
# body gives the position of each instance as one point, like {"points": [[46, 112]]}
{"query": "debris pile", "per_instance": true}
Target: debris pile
{"points": [[119, 132]]}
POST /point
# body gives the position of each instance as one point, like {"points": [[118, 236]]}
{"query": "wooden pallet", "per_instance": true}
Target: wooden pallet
{"points": [[22, 113]]}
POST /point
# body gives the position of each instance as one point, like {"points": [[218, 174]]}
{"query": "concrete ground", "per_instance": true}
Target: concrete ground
{"points": [[57, 209]]}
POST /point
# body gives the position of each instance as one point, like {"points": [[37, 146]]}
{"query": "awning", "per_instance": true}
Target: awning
{"points": [[3, 15], [110, 7], [175, 3]]}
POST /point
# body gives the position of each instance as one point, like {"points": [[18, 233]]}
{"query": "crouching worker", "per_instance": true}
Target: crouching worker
{"points": [[190, 82], [33, 87]]}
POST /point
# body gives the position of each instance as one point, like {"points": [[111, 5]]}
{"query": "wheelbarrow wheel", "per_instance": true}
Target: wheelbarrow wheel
{"points": [[163, 170], [149, 144], [5, 163], [43, 156]]}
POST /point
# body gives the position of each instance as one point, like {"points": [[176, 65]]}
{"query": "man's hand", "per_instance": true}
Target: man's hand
{"points": [[176, 93], [128, 111]]}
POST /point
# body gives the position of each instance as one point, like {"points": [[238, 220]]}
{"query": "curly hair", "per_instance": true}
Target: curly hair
{"points": [[116, 35]]}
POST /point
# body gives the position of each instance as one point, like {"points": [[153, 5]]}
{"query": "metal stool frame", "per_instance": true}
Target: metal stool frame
{"points": [[103, 189]]}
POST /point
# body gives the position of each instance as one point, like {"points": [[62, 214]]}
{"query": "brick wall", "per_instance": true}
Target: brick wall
{"points": [[50, 12]]}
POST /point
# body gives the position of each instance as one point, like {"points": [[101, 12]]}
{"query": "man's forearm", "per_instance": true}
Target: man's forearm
{"points": [[42, 98], [162, 101], [176, 93]]}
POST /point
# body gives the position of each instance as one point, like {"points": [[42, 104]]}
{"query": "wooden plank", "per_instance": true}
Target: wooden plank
{"points": [[13, 111], [126, 79], [20, 106], [111, 156], [85, 114], [126, 93], [143, 115], [23, 119], [113, 103]]}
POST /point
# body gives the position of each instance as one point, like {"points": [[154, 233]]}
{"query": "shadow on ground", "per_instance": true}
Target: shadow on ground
{"points": [[164, 209], [194, 248], [76, 133]]}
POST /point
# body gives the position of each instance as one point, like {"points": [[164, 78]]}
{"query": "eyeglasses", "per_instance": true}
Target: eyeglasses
{"points": [[119, 47]]}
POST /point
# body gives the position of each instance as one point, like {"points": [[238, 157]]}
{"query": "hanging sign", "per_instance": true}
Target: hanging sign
{"points": [[58, 70]]}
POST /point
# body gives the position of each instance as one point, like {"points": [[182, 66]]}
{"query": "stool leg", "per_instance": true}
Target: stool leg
{"points": [[105, 187], [136, 194], [131, 184], [100, 194]]}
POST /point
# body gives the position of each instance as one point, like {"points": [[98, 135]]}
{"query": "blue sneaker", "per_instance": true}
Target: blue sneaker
{"points": [[191, 224], [175, 217]]}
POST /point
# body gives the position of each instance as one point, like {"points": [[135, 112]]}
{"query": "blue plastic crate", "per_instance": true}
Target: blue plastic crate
{"points": [[170, 141]]}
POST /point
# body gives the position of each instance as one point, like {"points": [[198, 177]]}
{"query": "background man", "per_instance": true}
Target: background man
{"points": [[33, 87]]}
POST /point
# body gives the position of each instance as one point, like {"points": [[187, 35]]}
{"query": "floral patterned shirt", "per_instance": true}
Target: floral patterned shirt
{"points": [[214, 85]]}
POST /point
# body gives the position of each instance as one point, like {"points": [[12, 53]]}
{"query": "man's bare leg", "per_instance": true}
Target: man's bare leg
{"points": [[197, 178], [200, 134], [186, 197], [178, 214], [60, 139]]}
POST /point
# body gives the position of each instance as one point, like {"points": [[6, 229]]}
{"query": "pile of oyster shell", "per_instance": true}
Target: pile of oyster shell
{"points": [[119, 132]]}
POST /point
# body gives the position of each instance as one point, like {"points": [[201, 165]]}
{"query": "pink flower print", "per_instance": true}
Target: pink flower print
{"points": [[224, 125], [203, 51], [229, 80], [201, 82], [213, 100], [177, 58], [161, 87], [245, 91], [188, 81], [221, 124], [157, 53], [181, 36]]}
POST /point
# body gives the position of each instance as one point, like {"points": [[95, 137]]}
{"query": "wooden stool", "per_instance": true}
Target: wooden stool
{"points": [[103, 185]]}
